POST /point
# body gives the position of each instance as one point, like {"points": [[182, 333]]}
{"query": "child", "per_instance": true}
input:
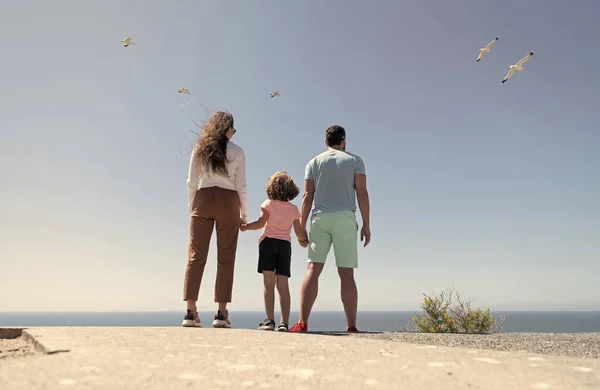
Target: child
{"points": [[277, 216]]}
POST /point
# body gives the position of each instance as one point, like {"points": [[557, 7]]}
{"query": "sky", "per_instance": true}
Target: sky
{"points": [[490, 188]]}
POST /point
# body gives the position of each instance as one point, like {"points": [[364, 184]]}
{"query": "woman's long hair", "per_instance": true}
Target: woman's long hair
{"points": [[211, 147]]}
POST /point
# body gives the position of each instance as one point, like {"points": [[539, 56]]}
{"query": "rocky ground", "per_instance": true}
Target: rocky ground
{"points": [[580, 345]]}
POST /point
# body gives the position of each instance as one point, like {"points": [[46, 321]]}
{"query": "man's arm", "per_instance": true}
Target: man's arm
{"points": [[360, 183], [307, 201], [309, 194]]}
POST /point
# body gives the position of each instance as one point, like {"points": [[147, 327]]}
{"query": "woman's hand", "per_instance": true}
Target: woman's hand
{"points": [[243, 226]]}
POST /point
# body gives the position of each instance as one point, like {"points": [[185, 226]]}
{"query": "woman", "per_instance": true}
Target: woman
{"points": [[216, 194]]}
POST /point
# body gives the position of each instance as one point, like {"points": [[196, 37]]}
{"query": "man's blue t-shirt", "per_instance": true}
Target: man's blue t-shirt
{"points": [[333, 173]]}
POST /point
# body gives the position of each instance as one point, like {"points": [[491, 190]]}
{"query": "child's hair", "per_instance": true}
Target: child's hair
{"points": [[282, 187]]}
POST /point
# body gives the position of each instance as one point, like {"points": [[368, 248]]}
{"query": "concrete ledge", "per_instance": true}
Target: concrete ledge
{"points": [[173, 358], [28, 336], [47, 347], [31, 339]]}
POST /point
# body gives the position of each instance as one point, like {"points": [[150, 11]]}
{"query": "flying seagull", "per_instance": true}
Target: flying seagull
{"points": [[486, 49], [517, 66], [127, 41], [276, 93], [183, 90]]}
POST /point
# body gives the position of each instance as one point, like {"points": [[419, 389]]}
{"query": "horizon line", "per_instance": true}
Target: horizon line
{"points": [[262, 310]]}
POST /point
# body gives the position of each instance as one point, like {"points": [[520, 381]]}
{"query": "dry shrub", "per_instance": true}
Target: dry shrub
{"points": [[451, 312]]}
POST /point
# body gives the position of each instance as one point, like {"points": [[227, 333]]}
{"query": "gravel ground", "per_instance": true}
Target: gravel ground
{"points": [[15, 348], [581, 345]]}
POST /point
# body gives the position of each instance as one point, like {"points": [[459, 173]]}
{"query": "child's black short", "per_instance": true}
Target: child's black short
{"points": [[275, 255]]}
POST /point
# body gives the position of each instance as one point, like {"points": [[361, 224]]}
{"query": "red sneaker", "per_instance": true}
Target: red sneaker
{"points": [[299, 327], [352, 329]]}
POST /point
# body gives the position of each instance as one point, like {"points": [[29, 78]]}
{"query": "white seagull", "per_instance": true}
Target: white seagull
{"points": [[486, 49], [127, 41], [276, 93], [517, 66], [183, 90]]}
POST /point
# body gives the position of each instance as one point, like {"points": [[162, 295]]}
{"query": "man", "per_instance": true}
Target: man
{"points": [[331, 180]]}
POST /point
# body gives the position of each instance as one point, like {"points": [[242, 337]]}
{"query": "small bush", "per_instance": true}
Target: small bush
{"points": [[450, 312]]}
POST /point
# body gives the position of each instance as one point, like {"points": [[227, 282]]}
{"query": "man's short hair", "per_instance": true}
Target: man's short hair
{"points": [[334, 135]]}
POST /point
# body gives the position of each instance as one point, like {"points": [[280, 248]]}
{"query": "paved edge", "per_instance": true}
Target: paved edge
{"points": [[93, 358], [27, 334], [29, 338]]}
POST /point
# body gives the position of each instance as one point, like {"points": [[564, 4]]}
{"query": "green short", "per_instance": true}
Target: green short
{"points": [[338, 228]]}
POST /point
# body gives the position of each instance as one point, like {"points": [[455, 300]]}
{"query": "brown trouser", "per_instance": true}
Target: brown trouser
{"points": [[213, 204]]}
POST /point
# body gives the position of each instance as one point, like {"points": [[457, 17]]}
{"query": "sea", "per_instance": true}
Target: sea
{"points": [[372, 321]]}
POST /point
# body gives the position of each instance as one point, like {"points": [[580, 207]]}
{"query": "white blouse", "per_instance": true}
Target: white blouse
{"points": [[235, 180]]}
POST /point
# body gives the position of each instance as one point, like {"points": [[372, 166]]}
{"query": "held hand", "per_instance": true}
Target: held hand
{"points": [[304, 241], [365, 233], [243, 226]]}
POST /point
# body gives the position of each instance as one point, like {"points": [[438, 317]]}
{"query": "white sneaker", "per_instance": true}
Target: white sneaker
{"points": [[191, 320], [221, 320]]}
